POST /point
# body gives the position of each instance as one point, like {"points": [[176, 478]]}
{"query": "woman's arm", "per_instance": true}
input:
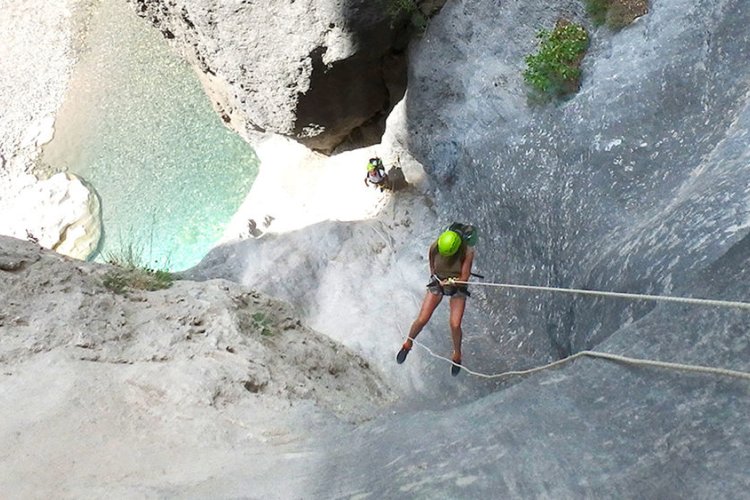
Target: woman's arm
{"points": [[466, 265], [431, 256]]}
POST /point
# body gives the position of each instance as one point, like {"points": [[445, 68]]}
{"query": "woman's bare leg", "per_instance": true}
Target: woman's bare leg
{"points": [[429, 304], [457, 307]]}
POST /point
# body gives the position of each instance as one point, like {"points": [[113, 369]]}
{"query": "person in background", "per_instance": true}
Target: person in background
{"points": [[451, 257], [376, 174]]}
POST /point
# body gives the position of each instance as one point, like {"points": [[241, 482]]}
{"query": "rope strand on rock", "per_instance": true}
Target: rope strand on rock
{"points": [[603, 355], [595, 354]]}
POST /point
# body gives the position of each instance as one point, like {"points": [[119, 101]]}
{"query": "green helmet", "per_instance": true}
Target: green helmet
{"points": [[448, 243]]}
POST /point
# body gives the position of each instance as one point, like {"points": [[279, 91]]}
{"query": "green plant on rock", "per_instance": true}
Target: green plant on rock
{"points": [[263, 323], [407, 8], [131, 273], [555, 69]]}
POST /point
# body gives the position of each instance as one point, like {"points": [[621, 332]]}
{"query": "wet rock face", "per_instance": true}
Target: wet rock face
{"points": [[633, 184], [314, 70]]}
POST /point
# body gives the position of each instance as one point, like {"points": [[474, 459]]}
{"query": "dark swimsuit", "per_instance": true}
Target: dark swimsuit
{"points": [[449, 267]]}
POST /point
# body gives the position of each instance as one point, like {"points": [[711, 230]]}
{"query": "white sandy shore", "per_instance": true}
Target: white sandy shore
{"points": [[296, 187], [36, 62], [37, 56]]}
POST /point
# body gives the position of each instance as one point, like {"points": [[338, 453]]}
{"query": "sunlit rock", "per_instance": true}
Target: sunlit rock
{"points": [[60, 213], [39, 133]]}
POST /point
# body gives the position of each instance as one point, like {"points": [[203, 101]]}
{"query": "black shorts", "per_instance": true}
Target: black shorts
{"points": [[449, 290]]}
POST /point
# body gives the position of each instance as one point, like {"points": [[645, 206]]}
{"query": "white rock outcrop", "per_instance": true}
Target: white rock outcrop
{"points": [[60, 213], [98, 386]]}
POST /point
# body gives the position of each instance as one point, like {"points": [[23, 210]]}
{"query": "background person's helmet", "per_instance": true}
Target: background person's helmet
{"points": [[372, 164], [448, 243]]}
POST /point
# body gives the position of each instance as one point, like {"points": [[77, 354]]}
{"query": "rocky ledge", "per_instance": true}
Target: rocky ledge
{"points": [[242, 343]]}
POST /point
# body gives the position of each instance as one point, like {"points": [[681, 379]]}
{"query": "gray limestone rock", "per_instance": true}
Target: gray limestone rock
{"points": [[11, 260], [633, 184], [199, 379], [638, 183]]}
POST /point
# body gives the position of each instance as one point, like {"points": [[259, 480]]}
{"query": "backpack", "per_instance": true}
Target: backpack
{"points": [[467, 232]]}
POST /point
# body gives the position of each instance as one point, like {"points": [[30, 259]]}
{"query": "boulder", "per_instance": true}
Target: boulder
{"points": [[114, 383], [60, 213], [313, 70]]}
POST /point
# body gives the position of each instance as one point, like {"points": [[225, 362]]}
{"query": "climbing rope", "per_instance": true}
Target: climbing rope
{"points": [[603, 355], [595, 354], [663, 298]]}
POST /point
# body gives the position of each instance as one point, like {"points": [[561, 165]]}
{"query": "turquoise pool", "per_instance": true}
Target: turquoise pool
{"points": [[138, 127]]}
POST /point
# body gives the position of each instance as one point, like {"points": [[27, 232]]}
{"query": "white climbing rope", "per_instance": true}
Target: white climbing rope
{"points": [[603, 355], [663, 298], [595, 354]]}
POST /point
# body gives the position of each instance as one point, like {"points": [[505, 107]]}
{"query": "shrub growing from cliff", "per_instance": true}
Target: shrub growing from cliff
{"points": [[397, 9], [555, 69], [131, 273], [616, 13], [262, 323]]}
